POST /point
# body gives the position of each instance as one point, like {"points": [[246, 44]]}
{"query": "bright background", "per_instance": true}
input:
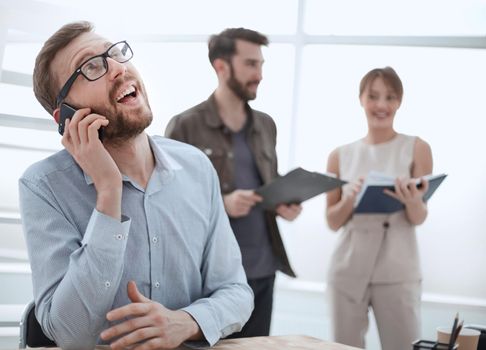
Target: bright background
{"points": [[319, 51]]}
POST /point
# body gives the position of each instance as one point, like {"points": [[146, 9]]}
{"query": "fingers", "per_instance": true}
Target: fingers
{"points": [[401, 187], [293, 208], [158, 343], [408, 191], [405, 187], [67, 138], [90, 123], [82, 127], [256, 198], [246, 201], [94, 128], [392, 194], [425, 185], [356, 188], [134, 337], [133, 309], [71, 126], [239, 202], [155, 323], [134, 294], [351, 190], [248, 197], [125, 327], [154, 343], [140, 304], [289, 212], [88, 128]]}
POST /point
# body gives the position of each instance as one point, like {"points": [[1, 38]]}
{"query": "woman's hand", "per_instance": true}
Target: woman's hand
{"points": [[351, 190], [409, 191]]}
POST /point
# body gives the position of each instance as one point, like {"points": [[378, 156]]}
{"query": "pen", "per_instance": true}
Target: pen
{"points": [[456, 334], [454, 325]]}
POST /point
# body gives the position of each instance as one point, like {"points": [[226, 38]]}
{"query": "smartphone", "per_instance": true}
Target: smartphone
{"points": [[67, 112]]}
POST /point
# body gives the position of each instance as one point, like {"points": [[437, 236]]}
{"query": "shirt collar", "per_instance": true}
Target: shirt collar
{"points": [[163, 163], [213, 119], [162, 159]]}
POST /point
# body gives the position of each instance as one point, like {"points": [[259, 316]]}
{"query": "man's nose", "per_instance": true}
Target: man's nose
{"points": [[115, 68], [259, 73]]}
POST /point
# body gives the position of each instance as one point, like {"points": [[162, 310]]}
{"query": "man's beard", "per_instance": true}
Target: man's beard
{"points": [[238, 88], [124, 126]]}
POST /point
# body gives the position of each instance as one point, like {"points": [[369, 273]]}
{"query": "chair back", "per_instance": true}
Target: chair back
{"points": [[31, 333]]}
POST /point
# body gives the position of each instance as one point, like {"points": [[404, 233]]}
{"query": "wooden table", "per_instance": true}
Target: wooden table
{"points": [[286, 342]]}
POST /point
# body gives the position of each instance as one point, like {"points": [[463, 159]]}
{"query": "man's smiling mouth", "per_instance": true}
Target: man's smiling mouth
{"points": [[127, 94]]}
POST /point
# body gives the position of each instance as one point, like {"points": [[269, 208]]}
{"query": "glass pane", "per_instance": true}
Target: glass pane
{"points": [[186, 16], [404, 17], [44, 140], [177, 76], [20, 57], [275, 96], [440, 85], [21, 101], [17, 161], [13, 244]]}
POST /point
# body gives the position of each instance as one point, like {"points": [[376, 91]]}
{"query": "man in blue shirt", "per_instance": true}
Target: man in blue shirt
{"points": [[128, 238]]}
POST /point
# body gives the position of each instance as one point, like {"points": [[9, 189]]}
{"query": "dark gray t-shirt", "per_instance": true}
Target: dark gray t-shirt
{"points": [[251, 231]]}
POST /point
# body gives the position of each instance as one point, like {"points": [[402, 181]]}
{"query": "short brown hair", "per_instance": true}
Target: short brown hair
{"points": [[389, 76], [223, 45], [44, 81]]}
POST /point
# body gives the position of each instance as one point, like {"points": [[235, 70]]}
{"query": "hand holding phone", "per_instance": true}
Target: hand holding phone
{"points": [[67, 112]]}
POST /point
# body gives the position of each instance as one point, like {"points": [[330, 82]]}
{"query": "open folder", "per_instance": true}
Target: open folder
{"points": [[372, 199], [296, 187]]}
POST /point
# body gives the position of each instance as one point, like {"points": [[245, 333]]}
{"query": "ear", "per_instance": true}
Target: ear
{"points": [[56, 114], [220, 66]]}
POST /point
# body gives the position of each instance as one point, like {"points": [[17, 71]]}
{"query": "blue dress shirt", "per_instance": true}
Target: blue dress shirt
{"points": [[174, 241]]}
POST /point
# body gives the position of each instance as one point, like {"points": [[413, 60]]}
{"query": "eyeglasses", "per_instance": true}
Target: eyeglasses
{"points": [[97, 66]]}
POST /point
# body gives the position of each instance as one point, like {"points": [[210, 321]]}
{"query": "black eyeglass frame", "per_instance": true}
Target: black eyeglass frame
{"points": [[69, 83]]}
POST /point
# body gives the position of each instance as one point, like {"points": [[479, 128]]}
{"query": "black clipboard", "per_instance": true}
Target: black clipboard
{"points": [[296, 187]]}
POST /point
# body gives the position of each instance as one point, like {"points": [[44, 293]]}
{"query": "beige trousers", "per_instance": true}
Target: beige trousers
{"points": [[396, 307]]}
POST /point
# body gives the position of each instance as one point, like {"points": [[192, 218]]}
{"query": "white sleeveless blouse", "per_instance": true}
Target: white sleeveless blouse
{"points": [[375, 248]]}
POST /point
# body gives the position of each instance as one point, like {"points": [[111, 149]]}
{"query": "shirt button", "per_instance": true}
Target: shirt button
{"points": [[107, 284], [157, 284], [119, 236], [386, 224], [155, 239], [208, 151], [230, 155]]}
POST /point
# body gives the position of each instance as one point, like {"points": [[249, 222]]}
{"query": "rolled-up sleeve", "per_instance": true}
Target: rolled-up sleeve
{"points": [[75, 274], [229, 300]]}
